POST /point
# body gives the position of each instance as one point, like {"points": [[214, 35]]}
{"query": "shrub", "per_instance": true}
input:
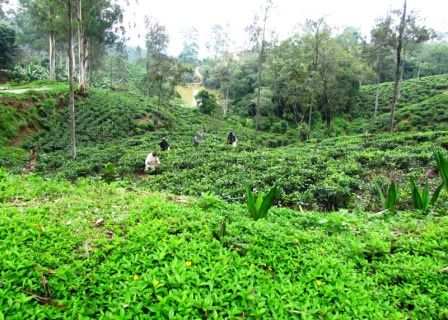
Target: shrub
{"points": [[388, 201], [206, 101], [259, 207], [422, 200]]}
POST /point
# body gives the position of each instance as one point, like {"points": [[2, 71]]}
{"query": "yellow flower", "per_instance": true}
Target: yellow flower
{"points": [[252, 266], [321, 250], [319, 283], [155, 283], [136, 277], [188, 263]]}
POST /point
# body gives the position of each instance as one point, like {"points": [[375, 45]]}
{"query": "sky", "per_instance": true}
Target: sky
{"points": [[287, 15], [177, 15]]}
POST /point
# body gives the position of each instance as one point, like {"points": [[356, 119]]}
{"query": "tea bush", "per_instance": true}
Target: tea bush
{"points": [[422, 105], [323, 175], [107, 252]]}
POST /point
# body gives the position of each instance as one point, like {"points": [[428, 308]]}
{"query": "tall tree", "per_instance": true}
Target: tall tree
{"points": [[316, 25], [47, 17], [71, 103], [380, 48], [189, 54], [163, 73], [397, 66], [258, 35], [223, 68], [2, 12], [408, 31], [7, 45], [98, 25]]}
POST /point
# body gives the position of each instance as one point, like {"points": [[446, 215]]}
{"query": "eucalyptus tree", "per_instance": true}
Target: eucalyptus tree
{"points": [[257, 32], [189, 54], [46, 16], [223, 66], [71, 103], [98, 25], [397, 30]]}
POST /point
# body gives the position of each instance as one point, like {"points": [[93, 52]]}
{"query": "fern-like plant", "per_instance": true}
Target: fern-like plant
{"points": [[422, 200], [259, 206], [388, 200], [442, 166]]}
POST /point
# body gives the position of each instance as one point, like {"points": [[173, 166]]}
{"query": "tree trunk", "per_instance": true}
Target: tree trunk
{"points": [[401, 76], [52, 50], [260, 66], [327, 107], [260, 71], [377, 97], [71, 103], [225, 100], [397, 69], [81, 51], [419, 66], [159, 98], [315, 64], [310, 116]]}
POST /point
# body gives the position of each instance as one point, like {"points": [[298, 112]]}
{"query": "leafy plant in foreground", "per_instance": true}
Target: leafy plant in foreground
{"points": [[259, 206], [109, 173], [442, 166], [422, 200], [388, 201]]}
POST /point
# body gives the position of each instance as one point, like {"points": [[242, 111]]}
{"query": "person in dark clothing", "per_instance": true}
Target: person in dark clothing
{"points": [[231, 139], [164, 145], [196, 139]]}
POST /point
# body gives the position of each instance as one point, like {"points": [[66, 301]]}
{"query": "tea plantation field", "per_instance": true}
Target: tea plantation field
{"points": [[92, 250], [119, 130], [423, 105], [97, 238]]}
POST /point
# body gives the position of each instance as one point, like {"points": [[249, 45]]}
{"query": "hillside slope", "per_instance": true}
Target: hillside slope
{"points": [[120, 129], [106, 252], [423, 104]]}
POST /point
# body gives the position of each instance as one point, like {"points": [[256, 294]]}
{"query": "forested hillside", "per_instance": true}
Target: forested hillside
{"points": [[299, 176]]}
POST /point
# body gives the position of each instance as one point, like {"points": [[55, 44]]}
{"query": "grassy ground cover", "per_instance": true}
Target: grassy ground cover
{"points": [[109, 252]]}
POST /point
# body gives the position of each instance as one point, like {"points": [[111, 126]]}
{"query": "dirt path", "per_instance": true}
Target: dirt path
{"points": [[20, 91]]}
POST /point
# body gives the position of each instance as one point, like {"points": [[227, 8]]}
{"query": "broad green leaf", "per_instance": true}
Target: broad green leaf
{"points": [[268, 201], [381, 196], [416, 196], [392, 197], [436, 194], [442, 166], [259, 200], [251, 202]]}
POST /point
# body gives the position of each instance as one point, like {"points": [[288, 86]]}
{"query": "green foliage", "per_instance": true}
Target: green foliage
{"points": [[29, 73], [122, 128], [388, 200], [104, 116], [422, 200], [8, 45], [442, 166], [422, 105], [159, 256], [259, 206], [207, 101], [109, 173]]}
